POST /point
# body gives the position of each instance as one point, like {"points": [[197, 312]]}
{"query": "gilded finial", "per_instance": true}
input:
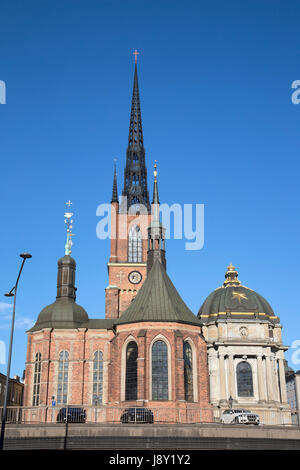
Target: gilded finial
{"points": [[155, 172], [68, 221], [231, 276]]}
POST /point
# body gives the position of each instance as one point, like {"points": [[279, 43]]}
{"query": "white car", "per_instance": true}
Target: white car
{"points": [[239, 417]]}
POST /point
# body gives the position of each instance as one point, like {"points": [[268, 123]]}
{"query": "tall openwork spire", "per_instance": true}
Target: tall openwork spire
{"points": [[135, 174]]}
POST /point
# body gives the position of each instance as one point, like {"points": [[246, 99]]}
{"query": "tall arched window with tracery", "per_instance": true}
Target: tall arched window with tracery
{"points": [[160, 386], [131, 371], [188, 371], [98, 378], [63, 377], [37, 379], [244, 379], [135, 245]]}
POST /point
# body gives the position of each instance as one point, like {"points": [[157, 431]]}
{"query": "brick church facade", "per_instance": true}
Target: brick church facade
{"points": [[149, 350]]}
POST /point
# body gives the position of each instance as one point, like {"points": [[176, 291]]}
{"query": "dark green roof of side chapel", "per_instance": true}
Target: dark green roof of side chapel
{"points": [[158, 300]]}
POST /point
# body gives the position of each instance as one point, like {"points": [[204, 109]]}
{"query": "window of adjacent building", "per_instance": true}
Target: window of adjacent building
{"points": [[62, 382], [244, 379], [37, 379], [160, 389], [98, 378], [135, 254], [188, 371], [131, 371]]}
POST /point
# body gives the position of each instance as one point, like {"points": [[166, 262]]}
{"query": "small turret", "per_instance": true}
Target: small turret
{"points": [[156, 232], [114, 197], [231, 277], [64, 312]]}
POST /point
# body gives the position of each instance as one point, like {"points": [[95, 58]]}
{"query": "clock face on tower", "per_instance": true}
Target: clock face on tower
{"points": [[135, 277]]}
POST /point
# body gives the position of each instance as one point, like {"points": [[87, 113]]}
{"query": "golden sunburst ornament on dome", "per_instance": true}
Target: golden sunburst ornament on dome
{"points": [[239, 296]]}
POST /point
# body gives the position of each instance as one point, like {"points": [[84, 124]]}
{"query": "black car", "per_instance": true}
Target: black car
{"points": [[71, 415], [137, 415]]}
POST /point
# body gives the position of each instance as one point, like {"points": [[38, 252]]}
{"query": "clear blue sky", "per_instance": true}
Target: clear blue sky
{"points": [[215, 81]]}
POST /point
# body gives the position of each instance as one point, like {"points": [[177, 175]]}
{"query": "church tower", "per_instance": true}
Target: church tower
{"points": [[130, 219]]}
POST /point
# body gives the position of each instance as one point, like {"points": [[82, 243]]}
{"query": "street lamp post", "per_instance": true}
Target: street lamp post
{"points": [[11, 293]]}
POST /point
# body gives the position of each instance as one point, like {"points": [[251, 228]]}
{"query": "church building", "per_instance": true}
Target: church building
{"points": [[150, 350]]}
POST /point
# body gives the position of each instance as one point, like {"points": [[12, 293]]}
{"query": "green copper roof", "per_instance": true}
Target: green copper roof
{"points": [[158, 300], [63, 313], [239, 300], [235, 301]]}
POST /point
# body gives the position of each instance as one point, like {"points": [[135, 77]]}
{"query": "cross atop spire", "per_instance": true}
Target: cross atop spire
{"points": [[135, 53]]}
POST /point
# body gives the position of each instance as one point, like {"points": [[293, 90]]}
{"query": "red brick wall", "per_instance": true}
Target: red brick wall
{"points": [[169, 332], [81, 345], [118, 266]]}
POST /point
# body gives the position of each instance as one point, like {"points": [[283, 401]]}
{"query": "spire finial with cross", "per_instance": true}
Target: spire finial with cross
{"points": [[68, 221], [135, 53]]}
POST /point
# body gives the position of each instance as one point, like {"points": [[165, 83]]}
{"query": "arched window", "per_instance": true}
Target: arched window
{"points": [[188, 371], [98, 378], [160, 388], [131, 371], [135, 253], [62, 381], [37, 379], [244, 379]]}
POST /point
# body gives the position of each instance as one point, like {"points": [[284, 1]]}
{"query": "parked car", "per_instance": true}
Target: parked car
{"points": [[71, 415], [137, 415], [239, 417]]}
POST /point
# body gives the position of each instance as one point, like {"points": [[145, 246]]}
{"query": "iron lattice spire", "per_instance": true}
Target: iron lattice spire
{"points": [[135, 174]]}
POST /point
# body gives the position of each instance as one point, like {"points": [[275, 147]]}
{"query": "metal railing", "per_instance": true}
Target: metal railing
{"points": [[132, 414], [106, 414]]}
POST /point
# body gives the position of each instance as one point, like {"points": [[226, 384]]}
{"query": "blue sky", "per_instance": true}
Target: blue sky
{"points": [[215, 82]]}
